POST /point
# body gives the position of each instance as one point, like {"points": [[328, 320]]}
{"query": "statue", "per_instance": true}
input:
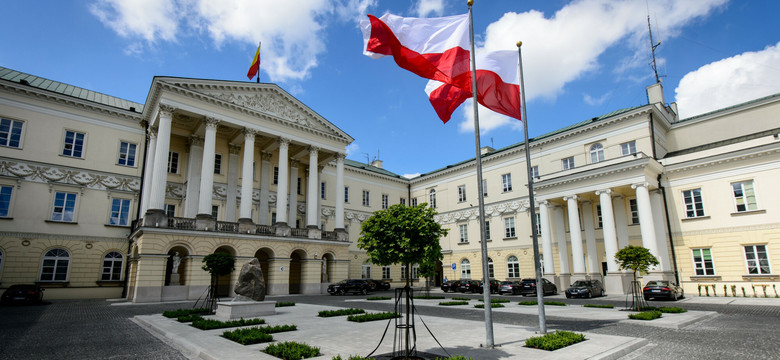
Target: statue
{"points": [[250, 282], [176, 262]]}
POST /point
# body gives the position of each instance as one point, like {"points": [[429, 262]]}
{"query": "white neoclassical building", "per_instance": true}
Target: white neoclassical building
{"points": [[102, 197]]}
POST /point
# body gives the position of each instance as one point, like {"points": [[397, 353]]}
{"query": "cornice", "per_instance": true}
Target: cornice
{"points": [[593, 125], [56, 174], [720, 159], [368, 173], [58, 236]]}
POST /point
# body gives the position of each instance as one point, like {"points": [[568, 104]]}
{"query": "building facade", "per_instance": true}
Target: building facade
{"points": [[102, 197]]}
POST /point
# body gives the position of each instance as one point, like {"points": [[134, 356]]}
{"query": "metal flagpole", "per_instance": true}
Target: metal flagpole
{"points": [[482, 238], [259, 44], [534, 232]]}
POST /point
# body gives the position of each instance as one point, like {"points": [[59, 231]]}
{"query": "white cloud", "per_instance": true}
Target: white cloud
{"points": [[489, 120], [729, 82], [429, 7], [411, 176], [291, 32], [352, 149], [590, 100]]}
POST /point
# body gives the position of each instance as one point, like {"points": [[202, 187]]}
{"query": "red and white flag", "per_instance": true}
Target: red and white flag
{"points": [[498, 86], [433, 48]]}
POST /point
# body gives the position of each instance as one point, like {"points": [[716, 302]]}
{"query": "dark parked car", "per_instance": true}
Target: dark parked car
{"points": [[378, 284], [510, 287], [662, 289], [358, 286], [529, 287], [448, 285], [465, 286], [23, 294], [585, 288], [494, 284]]}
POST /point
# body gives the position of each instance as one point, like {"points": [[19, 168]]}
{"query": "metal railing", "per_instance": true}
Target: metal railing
{"points": [[181, 223], [233, 227], [224, 226], [295, 232]]}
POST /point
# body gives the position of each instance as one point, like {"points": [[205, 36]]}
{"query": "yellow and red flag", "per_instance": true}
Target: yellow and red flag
{"points": [[255, 67]]}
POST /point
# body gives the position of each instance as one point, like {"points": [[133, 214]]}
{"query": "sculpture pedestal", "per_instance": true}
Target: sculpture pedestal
{"points": [[245, 309]]}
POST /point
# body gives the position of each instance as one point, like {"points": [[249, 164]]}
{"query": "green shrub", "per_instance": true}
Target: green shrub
{"points": [[209, 324], [599, 306], [496, 301], [373, 317], [429, 297], [291, 350], [672, 310], [257, 334], [189, 318], [378, 298], [452, 303], [283, 304], [460, 298], [553, 303], [184, 312], [492, 305], [554, 341], [340, 312], [645, 315]]}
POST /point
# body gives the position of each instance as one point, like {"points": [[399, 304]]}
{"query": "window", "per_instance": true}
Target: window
{"points": [[512, 267], [346, 194], [64, 207], [170, 210], [126, 154], [506, 182], [322, 190], [273, 218], [634, 212], [366, 195], [432, 198], [745, 196], [598, 216], [628, 148], [217, 164], [567, 163], [596, 153], [385, 201], [462, 193], [365, 272], [74, 144], [415, 271], [276, 175], [702, 262], [535, 171], [509, 227], [491, 273], [55, 265], [112, 267], [487, 230], [403, 201], [757, 260], [465, 269], [538, 217], [5, 200], [385, 272], [414, 201], [298, 186], [484, 188], [215, 211], [11, 133], [541, 263], [693, 204], [173, 162], [403, 272], [120, 212], [464, 233]]}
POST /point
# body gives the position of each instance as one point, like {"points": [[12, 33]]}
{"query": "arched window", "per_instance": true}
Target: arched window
{"points": [[112, 267], [512, 267], [465, 269], [596, 153], [432, 198], [366, 270], [54, 266], [490, 268]]}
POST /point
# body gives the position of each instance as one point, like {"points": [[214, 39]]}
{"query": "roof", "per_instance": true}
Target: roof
{"points": [[68, 90], [360, 165], [725, 109]]}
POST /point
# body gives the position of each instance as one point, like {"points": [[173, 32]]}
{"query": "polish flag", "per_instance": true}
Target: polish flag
{"points": [[498, 86], [433, 48]]}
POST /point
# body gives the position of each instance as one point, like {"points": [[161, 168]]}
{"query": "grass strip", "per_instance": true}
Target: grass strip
{"points": [[209, 324], [554, 341], [496, 301], [492, 305], [284, 304], [461, 298], [372, 298], [553, 303], [189, 318], [599, 306], [291, 350], [429, 297], [453, 303], [645, 315], [257, 334], [340, 312], [373, 317], [184, 312]]}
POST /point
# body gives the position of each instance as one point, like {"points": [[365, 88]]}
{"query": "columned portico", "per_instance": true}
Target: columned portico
{"points": [[232, 183], [155, 213], [281, 189], [265, 181], [547, 245], [311, 190], [646, 224], [205, 219], [339, 197], [193, 176], [575, 236], [594, 268], [150, 154], [292, 213], [564, 276], [245, 211]]}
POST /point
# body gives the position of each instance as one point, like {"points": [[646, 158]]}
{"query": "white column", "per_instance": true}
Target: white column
{"points": [[339, 191], [281, 187], [656, 201], [194, 165], [149, 166], [232, 183], [591, 252], [207, 172], [608, 228], [621, 222], [160, 172], [293, 199], [311, 191], [265, 182], [560, 234], [246, 176], [547, 248], [575, 234], [646, 224]]}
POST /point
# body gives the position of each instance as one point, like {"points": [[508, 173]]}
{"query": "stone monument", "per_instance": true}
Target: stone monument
{"points": [[250, 290]]}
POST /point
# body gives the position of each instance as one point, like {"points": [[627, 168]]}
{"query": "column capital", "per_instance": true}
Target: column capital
{"points": [[586, 202], [341, 156], [294, 163], [196, 140], [543, 202], [211, 122], [153, 132], [571, 197], [605, 191], [313, 150], [234, 149], [283, 141], [249, 133], [645, 185], [166, 109], [265, 156]]}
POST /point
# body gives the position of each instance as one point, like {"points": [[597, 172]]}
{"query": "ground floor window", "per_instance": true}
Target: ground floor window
{"points": [[55, 264], [385, 272], [757, 260], [112, 267], [465, 269], [512, 267], [365, 272], [702, 262]]}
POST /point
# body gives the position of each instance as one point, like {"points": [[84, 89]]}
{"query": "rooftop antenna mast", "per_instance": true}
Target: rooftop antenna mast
{"points": [[653, 45]]}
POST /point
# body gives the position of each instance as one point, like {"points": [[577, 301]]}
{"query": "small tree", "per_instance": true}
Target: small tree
{"points": [[639, 260], [217, 264]]}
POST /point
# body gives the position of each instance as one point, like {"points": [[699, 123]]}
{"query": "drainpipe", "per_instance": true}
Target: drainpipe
{"points": [[669, 230], [145, 125]]}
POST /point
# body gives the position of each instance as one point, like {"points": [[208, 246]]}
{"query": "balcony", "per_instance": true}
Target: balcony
{"points": [[226, 227]]}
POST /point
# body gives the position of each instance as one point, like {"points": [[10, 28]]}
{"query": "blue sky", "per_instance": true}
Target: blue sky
{"points": [[581, 59]]}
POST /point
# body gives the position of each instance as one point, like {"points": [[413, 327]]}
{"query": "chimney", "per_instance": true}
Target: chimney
{"points": [[377, 163], [486, 149], [655, 94]]}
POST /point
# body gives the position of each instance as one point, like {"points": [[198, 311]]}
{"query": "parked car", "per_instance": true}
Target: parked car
{"points": [[494, 284], [448, 285], [529, 287], [358, 286], [585, 288], [378, 284], [662, 289], [23, 294], [465, 286], [510, 287]]}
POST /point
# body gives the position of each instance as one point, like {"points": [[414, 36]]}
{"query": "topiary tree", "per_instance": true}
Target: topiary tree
{"points": [[217, 264], [639, 260]]}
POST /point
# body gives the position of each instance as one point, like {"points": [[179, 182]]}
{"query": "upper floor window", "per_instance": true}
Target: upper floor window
{"points": [[509, 227], [628, 148], [322, 190], [173, 162], [702, 261], [634, 211], [535, 171], [506, 182], [215, 211], [112, 267], [538, 217], [567, 163], [432, 198], [414, 201], [217, 164], [126, 154], [596, 153], [346, 194], [599, 217], [170, 210], [403, 201], [298, 186], [744, 196], [276, 175], [64, 208], [484, 188], [11, 133], [366, 196], [5, 200], [385, 201], [693, 203], [487, 230], [120, 212], [461, 193], [55, 264], [74, 144], [757, 260], [464, 233]]}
